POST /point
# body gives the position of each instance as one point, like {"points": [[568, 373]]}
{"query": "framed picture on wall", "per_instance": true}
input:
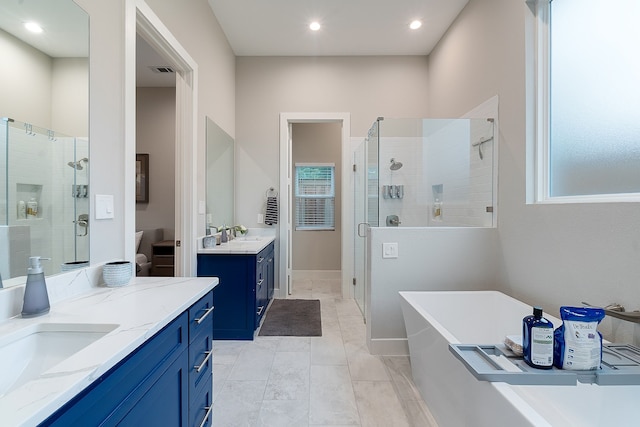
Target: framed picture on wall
{"points": [[142, 178]]}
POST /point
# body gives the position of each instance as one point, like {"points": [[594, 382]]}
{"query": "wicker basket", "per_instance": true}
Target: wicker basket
{"points": [[117, 273], [73, 265]]}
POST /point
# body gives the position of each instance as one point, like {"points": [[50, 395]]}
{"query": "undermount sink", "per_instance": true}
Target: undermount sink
{"points": [[31, 351]]}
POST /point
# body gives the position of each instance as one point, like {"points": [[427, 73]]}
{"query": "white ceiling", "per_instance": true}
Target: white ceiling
{"points": [[259, 28], [349, 27], [65, 25]]}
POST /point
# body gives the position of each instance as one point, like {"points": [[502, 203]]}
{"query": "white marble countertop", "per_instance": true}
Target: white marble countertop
{"points": [[141, 308], [240, 245]]}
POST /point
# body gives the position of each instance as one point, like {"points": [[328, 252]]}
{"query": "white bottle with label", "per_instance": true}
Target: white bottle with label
{"points": [[32, 208]]}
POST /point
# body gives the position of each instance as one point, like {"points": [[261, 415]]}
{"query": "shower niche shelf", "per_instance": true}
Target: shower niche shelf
{"points": [[26, 193]]}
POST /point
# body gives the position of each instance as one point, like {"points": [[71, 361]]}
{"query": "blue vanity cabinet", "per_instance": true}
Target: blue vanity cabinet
{"points": [[242, 296], [270, 273], [262, 285], [157, 384]]}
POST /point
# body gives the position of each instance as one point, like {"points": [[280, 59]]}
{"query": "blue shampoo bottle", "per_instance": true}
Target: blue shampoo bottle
{"points": [[537, 340]]}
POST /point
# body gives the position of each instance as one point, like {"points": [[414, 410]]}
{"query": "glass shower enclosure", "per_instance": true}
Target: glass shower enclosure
{"points": [[422, 173], [44, 198]]}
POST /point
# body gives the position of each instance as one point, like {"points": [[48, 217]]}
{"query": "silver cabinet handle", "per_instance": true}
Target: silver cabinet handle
{"points": [[199, 367], [260, 260], [206, 416], [204, 316], [260, 310], [260, 282]]}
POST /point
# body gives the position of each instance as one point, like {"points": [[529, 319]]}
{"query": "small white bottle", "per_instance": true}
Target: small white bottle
{"points": [[32, 208], [22, 210]]}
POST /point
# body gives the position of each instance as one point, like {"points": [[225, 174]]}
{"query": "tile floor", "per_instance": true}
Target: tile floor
{"points": [[315, 381]]}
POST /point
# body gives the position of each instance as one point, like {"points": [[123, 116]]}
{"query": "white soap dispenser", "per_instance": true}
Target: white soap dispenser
{"points": [[36, 298]]}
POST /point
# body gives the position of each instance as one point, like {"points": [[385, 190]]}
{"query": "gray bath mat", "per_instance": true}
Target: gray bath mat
{"points": [[293, 318]]}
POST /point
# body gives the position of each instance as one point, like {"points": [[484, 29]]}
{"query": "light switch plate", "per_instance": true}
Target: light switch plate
{"points": [[389, 250], [104, 206]]}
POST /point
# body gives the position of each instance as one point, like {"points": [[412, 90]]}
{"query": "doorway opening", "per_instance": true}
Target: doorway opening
{"points": [[143, 22], [156, 143], [287, 190]]}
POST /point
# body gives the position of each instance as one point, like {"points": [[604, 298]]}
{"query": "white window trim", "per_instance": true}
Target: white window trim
{"points": [[332, 196], [542, 113]]}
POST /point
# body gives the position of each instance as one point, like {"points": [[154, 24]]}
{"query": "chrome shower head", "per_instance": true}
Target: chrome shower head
{"points": [[75, 165], [395, 165], [78, 165]]}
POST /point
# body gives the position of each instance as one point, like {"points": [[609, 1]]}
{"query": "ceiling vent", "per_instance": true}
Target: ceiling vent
{"points": [[161, 69]]}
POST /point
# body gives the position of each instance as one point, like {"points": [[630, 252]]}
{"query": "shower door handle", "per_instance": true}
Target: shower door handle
{"points": [[366, 224]]}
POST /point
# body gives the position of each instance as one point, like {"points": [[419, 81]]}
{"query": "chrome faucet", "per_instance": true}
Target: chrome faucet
{"points": [[618, 311]]}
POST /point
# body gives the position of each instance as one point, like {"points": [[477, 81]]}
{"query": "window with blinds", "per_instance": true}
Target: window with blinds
{"points": [[315, 196]]}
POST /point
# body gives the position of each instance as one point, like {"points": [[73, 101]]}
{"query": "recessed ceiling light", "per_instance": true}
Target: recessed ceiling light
{"points": [[33, 27], [314, 26], [415, 25]]}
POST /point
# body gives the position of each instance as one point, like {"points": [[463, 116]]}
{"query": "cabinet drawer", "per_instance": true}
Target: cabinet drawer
{"points": [[160, 260], [201, 409], [201, 317], [162, 270], [200, 361]]}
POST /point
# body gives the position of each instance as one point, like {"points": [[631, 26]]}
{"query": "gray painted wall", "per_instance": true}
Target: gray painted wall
{"points": [[318, 143], [554, 255], [48, 92], [198, 31], [365, 87]]}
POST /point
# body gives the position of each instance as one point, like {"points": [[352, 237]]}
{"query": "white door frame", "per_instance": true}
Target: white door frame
{"points": [[141, 19], [286, 199]]}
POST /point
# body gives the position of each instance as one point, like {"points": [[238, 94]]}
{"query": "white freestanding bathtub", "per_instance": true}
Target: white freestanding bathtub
{"points": [[456, 398]]}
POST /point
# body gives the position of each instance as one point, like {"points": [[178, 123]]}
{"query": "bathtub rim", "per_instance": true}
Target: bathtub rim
{"points": [[512, 397]]}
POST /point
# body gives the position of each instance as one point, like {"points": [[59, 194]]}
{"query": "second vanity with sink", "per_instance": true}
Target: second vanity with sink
{"points": [[127, 355], [245, 267]]}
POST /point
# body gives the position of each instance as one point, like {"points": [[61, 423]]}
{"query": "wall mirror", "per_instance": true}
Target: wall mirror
{"points": [[220, 183], [44, 146]]}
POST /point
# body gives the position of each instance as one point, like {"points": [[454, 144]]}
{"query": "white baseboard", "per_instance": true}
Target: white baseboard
{"points": [[389, 347], [316, 274]]}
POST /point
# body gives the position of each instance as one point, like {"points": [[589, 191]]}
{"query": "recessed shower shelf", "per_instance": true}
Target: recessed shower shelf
{"points": [[496, 363]]}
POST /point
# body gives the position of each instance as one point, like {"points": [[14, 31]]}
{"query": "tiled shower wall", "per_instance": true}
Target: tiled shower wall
{"points": [[37, 168], [439, 162]]}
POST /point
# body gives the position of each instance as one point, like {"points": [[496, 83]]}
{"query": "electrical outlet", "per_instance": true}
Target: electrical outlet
{"points": [[260, 218], [389, 250]]}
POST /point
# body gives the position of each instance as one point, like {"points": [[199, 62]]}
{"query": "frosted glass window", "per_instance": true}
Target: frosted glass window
{"points": [[594, 126]]}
